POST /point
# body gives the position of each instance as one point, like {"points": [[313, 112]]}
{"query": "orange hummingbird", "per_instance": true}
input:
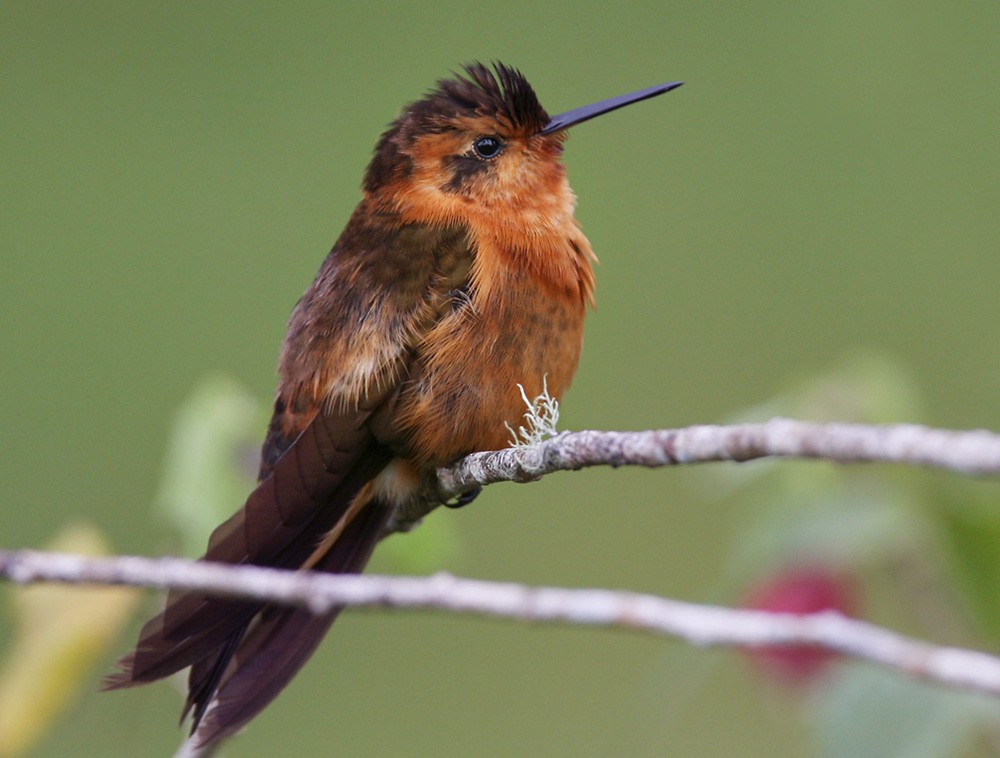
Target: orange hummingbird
{"points": [[461, 275]]}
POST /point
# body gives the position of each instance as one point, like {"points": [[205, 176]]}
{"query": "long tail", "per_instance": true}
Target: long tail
{"points": [[277, 643], [243, 653]]}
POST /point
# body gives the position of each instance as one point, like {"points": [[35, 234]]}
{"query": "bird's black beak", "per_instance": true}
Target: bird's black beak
{"points": [[578, 115]]}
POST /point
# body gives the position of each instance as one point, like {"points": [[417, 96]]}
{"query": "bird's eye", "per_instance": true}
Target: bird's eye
{"points": [[487, 147]]}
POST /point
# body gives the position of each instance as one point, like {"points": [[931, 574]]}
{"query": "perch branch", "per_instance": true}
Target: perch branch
{"points": [[971, 452], [974, 452], [697, 624]]}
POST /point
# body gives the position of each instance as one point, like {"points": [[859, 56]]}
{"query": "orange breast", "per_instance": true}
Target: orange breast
{"points": [[470, 364]]}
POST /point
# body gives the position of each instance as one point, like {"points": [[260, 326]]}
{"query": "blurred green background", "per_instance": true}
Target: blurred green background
{"points": [[826, 186]]}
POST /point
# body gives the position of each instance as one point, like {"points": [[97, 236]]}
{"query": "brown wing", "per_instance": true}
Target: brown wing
{"points": [[348, 347]]}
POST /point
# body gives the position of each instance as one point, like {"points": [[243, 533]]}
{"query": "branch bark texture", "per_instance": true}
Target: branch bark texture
{"points": [[969, 452], [700, 625]]}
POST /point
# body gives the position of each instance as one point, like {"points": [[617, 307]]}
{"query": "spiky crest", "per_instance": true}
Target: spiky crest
{"points": [[501, 93]]}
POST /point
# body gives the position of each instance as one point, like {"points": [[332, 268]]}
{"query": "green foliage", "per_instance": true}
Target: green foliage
{"points": [[888, 527], [969, 521], [211, 460], [867, 712]]}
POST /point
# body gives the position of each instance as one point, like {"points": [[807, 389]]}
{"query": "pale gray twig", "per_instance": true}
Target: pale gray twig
{"points": [[697, 624], [968, 452]]}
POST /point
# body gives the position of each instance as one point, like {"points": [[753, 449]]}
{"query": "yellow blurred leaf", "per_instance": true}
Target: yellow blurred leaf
{"points": [[60, 632]]}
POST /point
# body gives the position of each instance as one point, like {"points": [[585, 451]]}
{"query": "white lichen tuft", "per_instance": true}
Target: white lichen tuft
{"points": [[539, 420]]}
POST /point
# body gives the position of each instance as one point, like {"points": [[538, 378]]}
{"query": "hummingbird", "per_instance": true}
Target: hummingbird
{"points": [[461, 278]]}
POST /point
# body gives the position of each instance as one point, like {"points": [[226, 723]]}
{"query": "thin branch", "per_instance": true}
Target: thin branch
{"points": [[698, 624], [973, 452]]}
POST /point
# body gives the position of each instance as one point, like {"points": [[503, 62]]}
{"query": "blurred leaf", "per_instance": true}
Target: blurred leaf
{"points": [[212, 457], [970, 524], [869, 712], [60, 632], [818, 511], [865, 387], [857, 520]]}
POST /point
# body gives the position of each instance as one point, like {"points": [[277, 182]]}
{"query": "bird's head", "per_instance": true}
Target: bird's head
{"points": [[480, 144]]}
